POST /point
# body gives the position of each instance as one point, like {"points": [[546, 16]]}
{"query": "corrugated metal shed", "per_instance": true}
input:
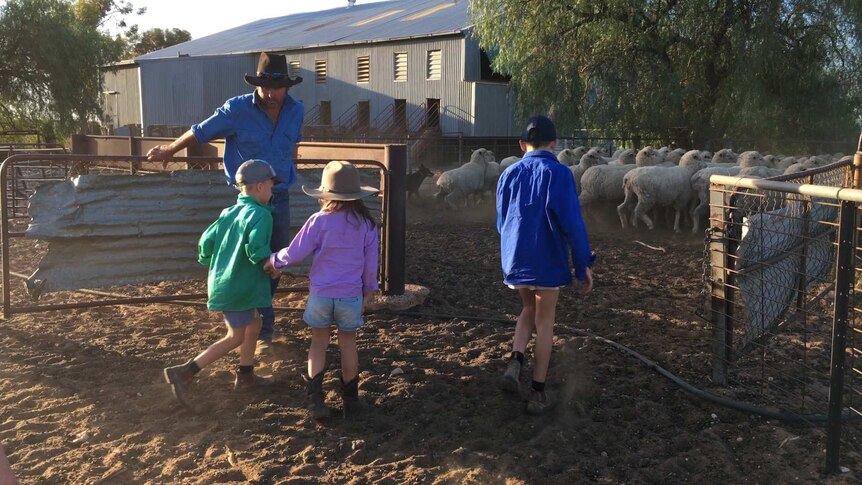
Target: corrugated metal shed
{"points": [[106, 230], [375, 22]]}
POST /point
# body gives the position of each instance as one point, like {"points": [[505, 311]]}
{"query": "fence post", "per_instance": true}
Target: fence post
{"points": [[718, 304], [843, 285], [395, 202]]}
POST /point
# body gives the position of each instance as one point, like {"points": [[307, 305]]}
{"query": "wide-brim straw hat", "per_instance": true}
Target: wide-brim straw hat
{"points": [[340, 181], [272, 72]]}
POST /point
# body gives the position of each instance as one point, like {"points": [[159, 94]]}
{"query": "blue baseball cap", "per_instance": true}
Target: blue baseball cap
{"points": [[539, 129]]}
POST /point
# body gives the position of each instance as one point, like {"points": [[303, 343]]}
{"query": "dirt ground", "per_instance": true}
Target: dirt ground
{"points": [[82, 398]]}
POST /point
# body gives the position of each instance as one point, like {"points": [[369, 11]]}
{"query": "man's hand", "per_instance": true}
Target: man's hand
{"points": [[160, 152], [587, 284]]}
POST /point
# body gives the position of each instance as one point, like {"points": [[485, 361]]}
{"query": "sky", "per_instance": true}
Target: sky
{"points": [[203, 17]]}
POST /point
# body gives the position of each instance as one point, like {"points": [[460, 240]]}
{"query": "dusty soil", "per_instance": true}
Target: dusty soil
{"points": [[82, 398]]}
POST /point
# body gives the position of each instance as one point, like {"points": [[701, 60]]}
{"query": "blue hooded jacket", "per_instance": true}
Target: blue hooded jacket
{"points": [[539, 219]]}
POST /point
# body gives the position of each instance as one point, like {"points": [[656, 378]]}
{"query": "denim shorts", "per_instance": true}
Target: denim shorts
{"points": [[239, 319], [321, 311]]}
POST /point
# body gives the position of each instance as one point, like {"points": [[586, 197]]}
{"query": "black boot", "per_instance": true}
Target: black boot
{"points": [[314, 402], [350, 398]]}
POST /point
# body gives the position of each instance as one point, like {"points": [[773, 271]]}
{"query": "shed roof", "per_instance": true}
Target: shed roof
{"points": [[374, 22]]}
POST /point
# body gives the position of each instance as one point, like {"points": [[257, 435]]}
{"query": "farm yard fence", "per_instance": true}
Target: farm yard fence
{"points": [[780, 269], [124, 206]]}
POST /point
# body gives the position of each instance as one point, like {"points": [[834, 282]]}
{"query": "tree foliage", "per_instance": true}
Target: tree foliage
{"points": [[705, 69], [155, 39], [52, 52]]}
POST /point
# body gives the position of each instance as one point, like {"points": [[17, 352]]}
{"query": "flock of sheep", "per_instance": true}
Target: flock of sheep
{"points": [[638, 182]]}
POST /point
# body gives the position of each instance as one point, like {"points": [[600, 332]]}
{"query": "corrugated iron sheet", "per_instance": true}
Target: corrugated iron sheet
{"points": [[106, 230], [375, 22]]}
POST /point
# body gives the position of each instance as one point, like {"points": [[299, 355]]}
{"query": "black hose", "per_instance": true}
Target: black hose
{"points": [[767, 413]]}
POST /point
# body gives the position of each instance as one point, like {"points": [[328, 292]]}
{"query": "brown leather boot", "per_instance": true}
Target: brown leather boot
{"points": [[350, 398], [180, 378], [246, 381], [314, 401]]}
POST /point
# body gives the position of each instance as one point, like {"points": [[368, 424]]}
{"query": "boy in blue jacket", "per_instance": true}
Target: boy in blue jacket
{"points": [[539, 219]]}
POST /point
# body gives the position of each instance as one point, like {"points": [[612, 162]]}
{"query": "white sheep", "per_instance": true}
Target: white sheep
{"points": [[625, 157], [673, 157], [660, 187], [508, 161], [752, 159], [457, 184], [571, 156], [725, 156], [700, 186], [605, 182], [590, 159]]}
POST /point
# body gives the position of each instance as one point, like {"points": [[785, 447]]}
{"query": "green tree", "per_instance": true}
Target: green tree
{"points": [[52, 51], [704, 69], [155, 39]]}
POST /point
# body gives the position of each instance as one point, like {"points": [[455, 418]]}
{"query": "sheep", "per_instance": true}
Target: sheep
{"points": [[508, 161], [752, 159], [785, 162], [673, 157], [700, 186], [605, 182], [590, 159], [660, 187], [625, 157], [725, 156], [571, 156], [457, 184]]}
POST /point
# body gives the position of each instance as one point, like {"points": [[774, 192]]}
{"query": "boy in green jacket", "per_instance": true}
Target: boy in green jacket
{"points": [[235, 247]]}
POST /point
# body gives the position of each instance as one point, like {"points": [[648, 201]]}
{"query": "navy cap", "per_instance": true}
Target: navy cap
{"points": [[255, 171], [539, 129]]}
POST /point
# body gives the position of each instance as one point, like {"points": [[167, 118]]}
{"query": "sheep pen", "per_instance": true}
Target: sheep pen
{"points": [[83, 400]]}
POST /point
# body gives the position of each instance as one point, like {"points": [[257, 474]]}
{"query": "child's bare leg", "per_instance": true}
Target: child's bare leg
{"points": [[232, 340], [349, 355], [526, 320], [317, 351], [546, 307], [249, 342]]}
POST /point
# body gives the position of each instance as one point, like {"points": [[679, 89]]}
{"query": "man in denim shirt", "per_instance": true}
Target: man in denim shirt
{"points": [[264, 125]]}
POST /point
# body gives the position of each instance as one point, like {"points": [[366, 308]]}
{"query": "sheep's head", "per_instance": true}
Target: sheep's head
{"points": [[675, 156], [591, 159], [648, 156], [568, 157], [751, 159], [725, 155], [786, 162], [692, 159], [627, 157], [482, 156], [579, 152], [771, 161]]}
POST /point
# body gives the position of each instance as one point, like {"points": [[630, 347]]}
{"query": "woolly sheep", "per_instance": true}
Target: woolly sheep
{"points": [[605, 182], [459, 183], [673, 157], [571, 156], [625, 157], [752, 159], [508, 161], [660, 187], [590, 159], [725, 155], [700, 186]]}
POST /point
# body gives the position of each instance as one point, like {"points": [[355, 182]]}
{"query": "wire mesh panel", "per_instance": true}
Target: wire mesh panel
{"points": [[778, 290]]}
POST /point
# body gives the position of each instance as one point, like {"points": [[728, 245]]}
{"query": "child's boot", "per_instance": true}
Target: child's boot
{"points": [[180, 378], [350, 398], [315, 402], [510, 380], [247, 379]]}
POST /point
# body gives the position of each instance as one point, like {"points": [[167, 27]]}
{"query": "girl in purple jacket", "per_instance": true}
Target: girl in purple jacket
{"points": [[343, 238]]}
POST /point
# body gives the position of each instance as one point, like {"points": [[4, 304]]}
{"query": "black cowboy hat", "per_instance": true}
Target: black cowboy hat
{"points": [[272, 72]]}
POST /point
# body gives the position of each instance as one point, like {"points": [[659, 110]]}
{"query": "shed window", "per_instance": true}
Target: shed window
{"points": [[294, 69], [434, 65], [320, 71], [400, 69], [363, 69]]}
